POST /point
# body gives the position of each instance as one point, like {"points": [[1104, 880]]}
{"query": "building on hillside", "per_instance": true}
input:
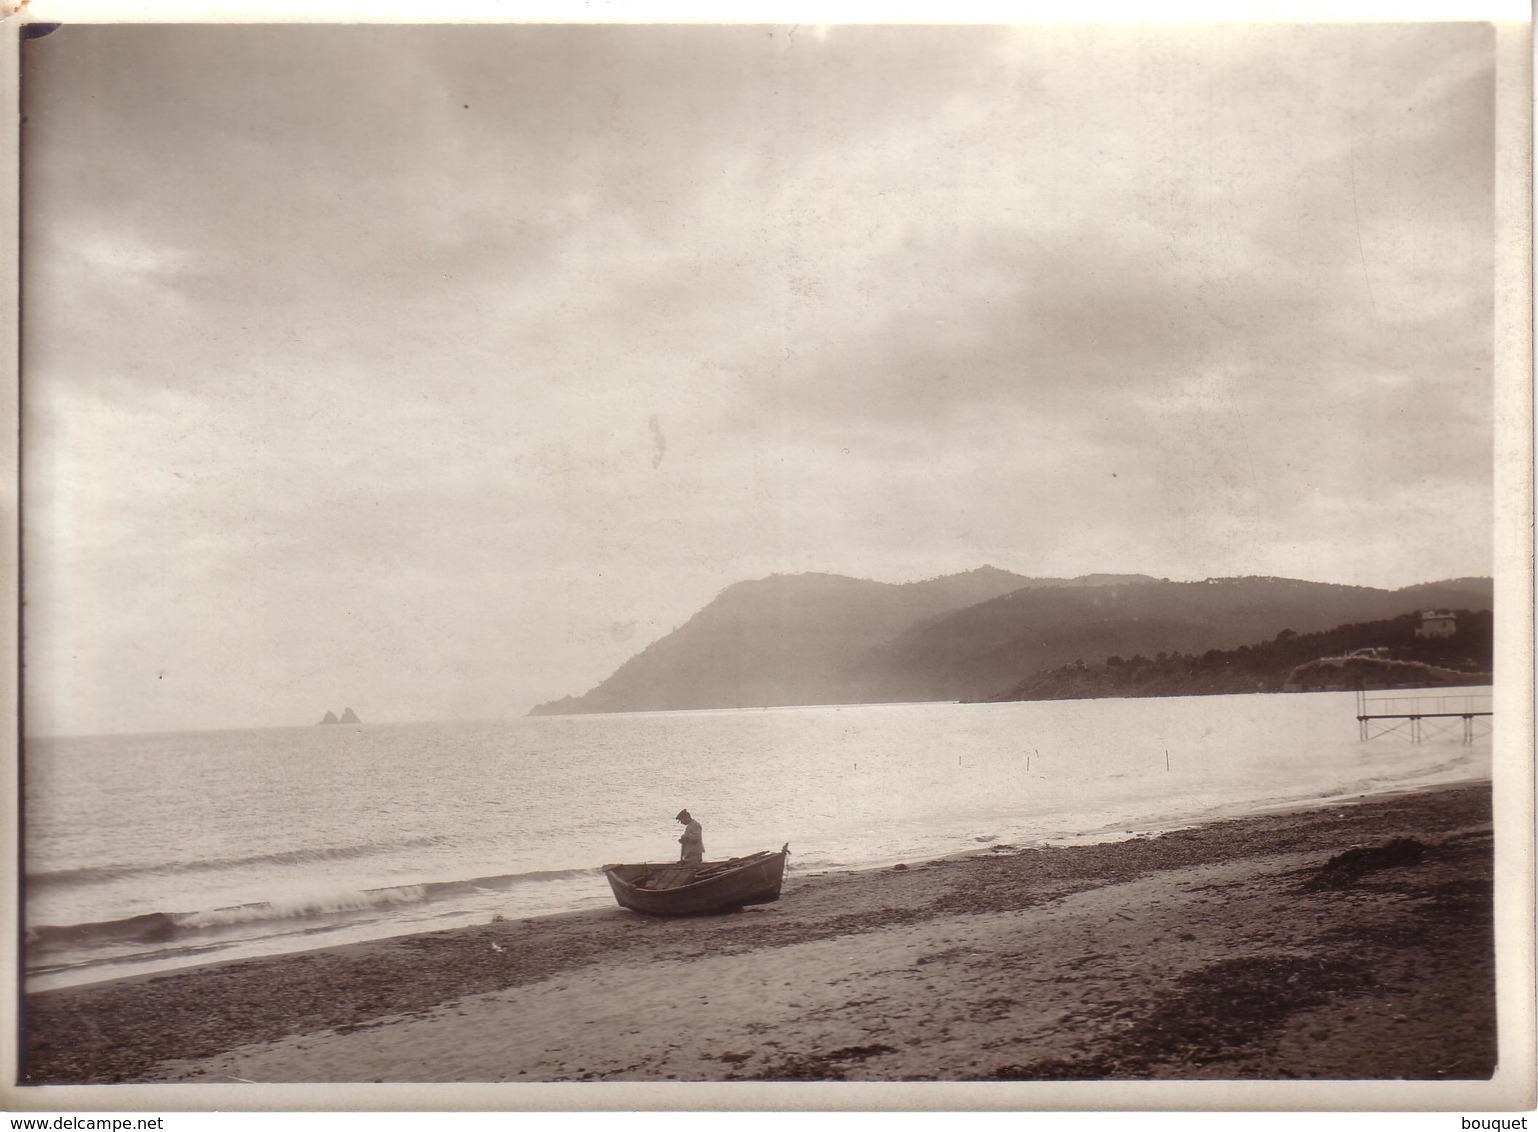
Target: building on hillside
{"points": [[1437, 623]]}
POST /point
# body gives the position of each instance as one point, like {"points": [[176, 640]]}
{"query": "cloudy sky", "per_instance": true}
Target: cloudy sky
{"points": [[435, 371]]}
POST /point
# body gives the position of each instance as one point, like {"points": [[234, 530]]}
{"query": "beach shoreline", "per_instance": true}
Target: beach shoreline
{"points": [[1223, 951]]}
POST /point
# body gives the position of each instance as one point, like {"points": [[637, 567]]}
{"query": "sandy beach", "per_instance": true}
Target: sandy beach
{"points": [[1347, 942]]}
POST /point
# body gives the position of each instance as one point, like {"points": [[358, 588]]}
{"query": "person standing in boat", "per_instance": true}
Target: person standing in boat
{"points": [[692, 842]]}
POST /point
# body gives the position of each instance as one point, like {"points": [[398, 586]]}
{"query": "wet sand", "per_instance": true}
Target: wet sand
{"points": [[1351, 942]]}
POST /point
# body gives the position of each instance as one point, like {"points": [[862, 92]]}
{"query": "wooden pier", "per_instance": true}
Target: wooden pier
{"points": [[1413, 717]]}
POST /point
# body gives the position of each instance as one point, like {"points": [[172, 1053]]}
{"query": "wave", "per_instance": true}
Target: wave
{"points": [[101, 874], [168, 927]]}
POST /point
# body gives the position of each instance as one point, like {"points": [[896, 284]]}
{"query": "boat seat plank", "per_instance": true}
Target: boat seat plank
{"points": [[674, 876]]}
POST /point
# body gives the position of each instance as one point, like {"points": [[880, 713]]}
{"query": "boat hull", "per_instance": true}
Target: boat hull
{"points": [[682, 890]]}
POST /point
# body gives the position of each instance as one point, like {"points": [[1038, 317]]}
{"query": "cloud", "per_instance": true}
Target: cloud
{"points": [[426, 356]]}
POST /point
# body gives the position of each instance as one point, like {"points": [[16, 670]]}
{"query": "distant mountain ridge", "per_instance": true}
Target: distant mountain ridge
{"points": [[987, 648], [780, 640], [826, 638]]}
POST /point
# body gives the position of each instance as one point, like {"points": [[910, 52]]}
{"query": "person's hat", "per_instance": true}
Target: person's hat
{"points": [[683, 815]]}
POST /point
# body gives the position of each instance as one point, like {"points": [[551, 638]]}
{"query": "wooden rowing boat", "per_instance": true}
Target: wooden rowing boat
{"points": [[713, 886]]}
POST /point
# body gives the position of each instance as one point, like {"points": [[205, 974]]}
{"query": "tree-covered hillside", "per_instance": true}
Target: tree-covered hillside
{"points": [[1289, 661]]}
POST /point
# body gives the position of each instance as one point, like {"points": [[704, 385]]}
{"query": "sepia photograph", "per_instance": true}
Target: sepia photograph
{"points": [[751, 556]]}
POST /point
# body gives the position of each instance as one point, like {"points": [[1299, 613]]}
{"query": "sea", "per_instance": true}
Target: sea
{"points": [[145, 853]]}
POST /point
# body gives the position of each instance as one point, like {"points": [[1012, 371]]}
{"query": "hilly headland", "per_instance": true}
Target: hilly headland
{"points": [[810, 639]]}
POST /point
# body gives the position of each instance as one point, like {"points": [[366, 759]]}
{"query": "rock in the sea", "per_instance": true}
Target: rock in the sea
{"points": [[331, 718], [349, 716]]}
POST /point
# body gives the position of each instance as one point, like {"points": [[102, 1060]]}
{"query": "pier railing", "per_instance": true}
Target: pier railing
{"points": [[1416, 717]]}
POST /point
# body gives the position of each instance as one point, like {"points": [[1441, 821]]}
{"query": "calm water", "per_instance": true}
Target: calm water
{"points": [[151, 851]]}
